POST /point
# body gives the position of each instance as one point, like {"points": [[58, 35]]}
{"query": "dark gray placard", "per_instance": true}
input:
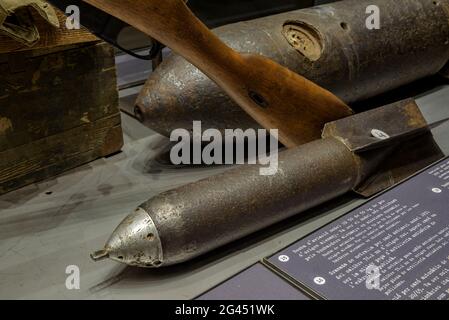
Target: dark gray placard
{"points": [[255, 283], [402, 236]]}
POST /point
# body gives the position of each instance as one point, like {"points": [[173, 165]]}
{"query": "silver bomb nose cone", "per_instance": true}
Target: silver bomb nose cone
{"points": [[135, 242]]}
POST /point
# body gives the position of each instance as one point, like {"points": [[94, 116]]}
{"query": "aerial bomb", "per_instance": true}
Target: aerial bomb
{"points": [[184, 223], [329, 44]]}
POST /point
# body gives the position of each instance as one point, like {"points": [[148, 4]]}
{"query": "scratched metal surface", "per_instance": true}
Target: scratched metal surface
{"points": [[48, 226]]}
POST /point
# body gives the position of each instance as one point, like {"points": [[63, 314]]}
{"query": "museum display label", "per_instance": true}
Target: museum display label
{"points": [[395, 247]]}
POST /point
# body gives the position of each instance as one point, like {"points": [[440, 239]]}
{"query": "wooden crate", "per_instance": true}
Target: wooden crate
{"points": [[58, 108]]}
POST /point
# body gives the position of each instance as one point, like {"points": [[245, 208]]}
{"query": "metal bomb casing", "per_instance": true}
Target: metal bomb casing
{"points": [[329, 44], [186, 222]]}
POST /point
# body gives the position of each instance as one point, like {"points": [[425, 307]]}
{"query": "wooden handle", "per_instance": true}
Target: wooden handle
{"points": [[274, 96]]}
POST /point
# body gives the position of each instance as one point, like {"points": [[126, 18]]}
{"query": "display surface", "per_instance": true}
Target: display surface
{"points": [[402, 235], [255, 283], [61, 220]]}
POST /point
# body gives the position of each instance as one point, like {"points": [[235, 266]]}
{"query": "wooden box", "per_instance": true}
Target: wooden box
{"points": [[58, 108]]}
